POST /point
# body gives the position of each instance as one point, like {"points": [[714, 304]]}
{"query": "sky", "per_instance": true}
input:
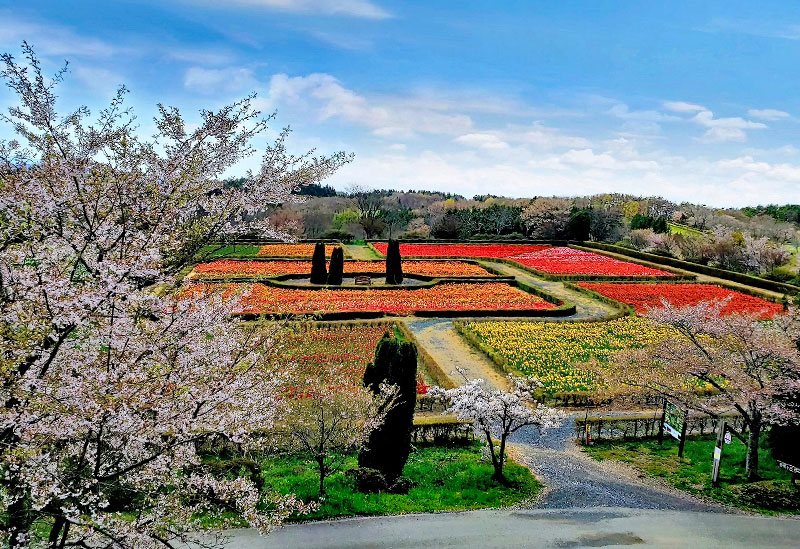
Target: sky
{"points": [[692, 101]]}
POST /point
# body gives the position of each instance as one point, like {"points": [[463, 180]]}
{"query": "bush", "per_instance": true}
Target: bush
{"points": [[337, 267], [343, 236], [319, 273], [781, 274], [401, 486], [413, 235], [775, 495], [368, 480]]}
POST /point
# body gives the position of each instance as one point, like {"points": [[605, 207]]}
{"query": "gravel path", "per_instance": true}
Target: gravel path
{"points": [[586, 307], [448, 348], [573, 479]]}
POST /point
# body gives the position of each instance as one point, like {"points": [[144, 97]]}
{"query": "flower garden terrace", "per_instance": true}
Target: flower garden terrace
{"points": [[437, 298], [555, 262]]}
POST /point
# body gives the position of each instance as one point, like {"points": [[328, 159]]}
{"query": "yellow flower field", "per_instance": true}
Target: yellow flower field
{"points": [[552, 351]]}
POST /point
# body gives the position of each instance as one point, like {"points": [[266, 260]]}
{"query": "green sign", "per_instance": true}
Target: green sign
{"points": [[674, 419]]}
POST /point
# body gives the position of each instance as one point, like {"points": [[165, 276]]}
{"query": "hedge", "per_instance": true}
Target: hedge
{"points": [[749, 280]]}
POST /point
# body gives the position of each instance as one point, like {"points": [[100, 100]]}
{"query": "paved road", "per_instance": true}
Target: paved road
{"points": [[567, 528]]}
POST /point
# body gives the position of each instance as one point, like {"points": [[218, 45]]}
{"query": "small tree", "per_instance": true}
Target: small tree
{"points": [[319, 273], [330, 421], [394, 263], [389, 445], [336, 272], [579, 225], [496, 414], [748, 363]]}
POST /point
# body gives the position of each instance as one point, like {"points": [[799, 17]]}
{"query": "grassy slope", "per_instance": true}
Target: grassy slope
{"points": [[445, 479], [693, 474]]}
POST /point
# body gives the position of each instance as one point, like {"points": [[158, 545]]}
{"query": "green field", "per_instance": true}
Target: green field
{"points": [[444, 478], [675, 228], [773, 493]]}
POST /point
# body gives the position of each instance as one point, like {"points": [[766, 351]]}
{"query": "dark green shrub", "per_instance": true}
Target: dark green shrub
{"points": [[401, 486], [579, 225], [775, 495], [660, 225], [641, 222], [335, 273], [394, 263], [319, 273], [367, 480], [343, 236], [388, 446]]}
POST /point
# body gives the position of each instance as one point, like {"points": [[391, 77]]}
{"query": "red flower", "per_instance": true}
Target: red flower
{"points": [[648, 296], [562, 260], [460, 250]]}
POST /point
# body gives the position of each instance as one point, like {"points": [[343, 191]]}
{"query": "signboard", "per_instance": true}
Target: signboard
{"points": [[674, 419], [727, 438]]}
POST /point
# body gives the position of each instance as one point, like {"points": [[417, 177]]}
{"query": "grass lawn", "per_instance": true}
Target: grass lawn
{"points": [[773, 493], [675, 228], [240, 250], [444, 479]]}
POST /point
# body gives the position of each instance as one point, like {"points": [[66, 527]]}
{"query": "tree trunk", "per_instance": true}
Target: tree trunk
{"points": [[321, 465], [751, 463]]}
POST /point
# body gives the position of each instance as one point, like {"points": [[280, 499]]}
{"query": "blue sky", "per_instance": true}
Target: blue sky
{"points": [[693, 101]]}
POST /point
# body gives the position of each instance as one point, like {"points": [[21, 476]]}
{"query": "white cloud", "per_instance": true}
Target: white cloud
{"points": [[208, 81], [49, 39], [682, 106], [351, 8], [622, 111], [325, 96], [724, 129], [481, 140], [768, 114]]}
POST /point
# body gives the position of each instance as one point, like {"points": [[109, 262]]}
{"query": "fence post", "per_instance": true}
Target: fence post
{"points": [[661, 423], [682, 443]]}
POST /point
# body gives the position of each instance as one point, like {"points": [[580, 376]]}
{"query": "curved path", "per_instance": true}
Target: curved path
{"points": [[567, 528], [586, 307]]}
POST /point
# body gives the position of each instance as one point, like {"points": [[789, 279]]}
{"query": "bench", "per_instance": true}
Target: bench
{"points": [[363, 280]]}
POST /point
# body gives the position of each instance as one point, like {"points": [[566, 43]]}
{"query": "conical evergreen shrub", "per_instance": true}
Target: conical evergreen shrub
{"points": [[389, 445], [336, 270], [319, 274], [394, 263]]}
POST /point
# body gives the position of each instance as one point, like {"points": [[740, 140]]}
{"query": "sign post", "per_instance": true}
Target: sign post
{"points": [[661, 423], [718, 453], [674, 423]]}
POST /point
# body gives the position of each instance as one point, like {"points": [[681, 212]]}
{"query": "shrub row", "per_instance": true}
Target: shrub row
{"points": [[741, 278], [441, 430]]}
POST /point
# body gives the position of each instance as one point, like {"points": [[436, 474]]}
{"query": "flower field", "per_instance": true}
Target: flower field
{"points": [[261, 298], [336, 350], [647, 296], [227, 267], [551, 352], [291, 250], [567, 261], [460, 250]]}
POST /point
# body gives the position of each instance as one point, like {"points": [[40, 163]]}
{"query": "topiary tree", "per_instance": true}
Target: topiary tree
{"points": [[388, 446], [579, 225], [337, 267], [394, 263], [319, 274]]}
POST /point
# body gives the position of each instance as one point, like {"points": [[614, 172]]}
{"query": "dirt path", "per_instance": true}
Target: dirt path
{"points": [[447, 347], [360, 253], [587, 308]]}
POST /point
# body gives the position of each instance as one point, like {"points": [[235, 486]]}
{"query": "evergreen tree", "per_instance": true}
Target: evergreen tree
{"points": [[319, 274], [337, 267], [640, 221], [388, 446], [394, 263], [660, 225], [579, 225]]}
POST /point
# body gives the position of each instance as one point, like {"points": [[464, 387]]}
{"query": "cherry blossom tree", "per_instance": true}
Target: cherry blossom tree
{"points": [[108, 380], [715, 362], [496, 414], [328, 421]]}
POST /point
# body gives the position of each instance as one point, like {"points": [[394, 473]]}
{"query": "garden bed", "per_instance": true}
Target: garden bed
{"points": [[645, 296]]}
